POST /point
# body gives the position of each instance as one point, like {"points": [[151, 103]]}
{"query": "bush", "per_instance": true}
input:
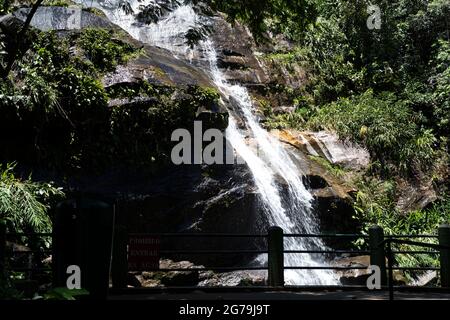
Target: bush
{"points": [[24, 203], [103, 50], [383, 124]]}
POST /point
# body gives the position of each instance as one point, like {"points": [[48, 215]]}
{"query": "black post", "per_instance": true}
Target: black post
{"points": [[276, 257], [119, 267], [391, 272], [83, 232], [377, 255], [444, 240], [2, 249]]}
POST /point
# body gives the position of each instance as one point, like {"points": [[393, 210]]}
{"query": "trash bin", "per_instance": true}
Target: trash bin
{"points": [[82, 236]]}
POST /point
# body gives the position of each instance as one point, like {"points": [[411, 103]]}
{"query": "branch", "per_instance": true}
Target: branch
{"points": [[12, 57]]}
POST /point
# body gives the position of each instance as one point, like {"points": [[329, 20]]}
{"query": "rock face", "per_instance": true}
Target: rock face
{"points": [[328, 146], [359, 277], [174, 198], [206, 198], [62, 18], [193, 277], [155, 65], [236, 57], [332, 193]]}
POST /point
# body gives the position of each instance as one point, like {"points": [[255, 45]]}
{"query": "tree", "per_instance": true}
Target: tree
{"points": [[12, 55]]}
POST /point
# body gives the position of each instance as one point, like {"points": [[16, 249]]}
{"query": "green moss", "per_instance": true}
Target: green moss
{"points": [[96, 11], [334, 169], [58, 3], [103, 50], [138, 89]]}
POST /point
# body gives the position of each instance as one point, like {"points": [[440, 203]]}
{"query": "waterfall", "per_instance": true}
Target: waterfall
{"points": [[284, 199]]}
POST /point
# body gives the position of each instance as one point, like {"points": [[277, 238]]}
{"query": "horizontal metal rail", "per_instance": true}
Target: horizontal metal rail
{"points": [[328, 251], [400, 236], [207, 269], [30, 252], [415, 243], [416, 268], [30, 269], [201, 235], [170, 252], [311, 235], [212, 252], [23, 234], [415, 252], [256, 268]]}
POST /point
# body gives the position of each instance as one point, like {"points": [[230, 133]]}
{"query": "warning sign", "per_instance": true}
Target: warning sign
{"points": [[143, 253]]}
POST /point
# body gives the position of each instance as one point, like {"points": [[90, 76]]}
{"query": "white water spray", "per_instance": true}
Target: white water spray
{"points": [[284, 198]]}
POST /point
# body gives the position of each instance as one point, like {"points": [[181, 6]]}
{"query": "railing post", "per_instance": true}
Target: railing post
{"points": [[119, 267], [2, 249], [444, 240], [391, 270], [276, 257], [377, 255]]}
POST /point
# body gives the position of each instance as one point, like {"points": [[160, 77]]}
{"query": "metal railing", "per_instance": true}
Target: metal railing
{"points": [[379, 248], [276, 252], [444, 248]]}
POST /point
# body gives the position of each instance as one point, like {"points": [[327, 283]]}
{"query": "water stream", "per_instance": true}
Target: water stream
{"points": [[284, 199]]}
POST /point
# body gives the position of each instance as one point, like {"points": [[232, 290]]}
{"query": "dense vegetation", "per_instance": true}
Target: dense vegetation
{"points": [[57, 117], [385, 89]]}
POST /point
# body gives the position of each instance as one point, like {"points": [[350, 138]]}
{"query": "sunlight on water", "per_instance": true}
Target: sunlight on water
{"points": [[285, 200]]}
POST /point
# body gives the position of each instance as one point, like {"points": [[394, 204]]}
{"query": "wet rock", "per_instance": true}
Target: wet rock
{"points": [[332, 195], [315, 182], [235, 48], [326, 145], [235, 278], [133, 280], [49, 18], [360, 276], [157, 66], [415, 194], [9, 25], [356, 276], [283, 110], [171, 278], [154, 64]]}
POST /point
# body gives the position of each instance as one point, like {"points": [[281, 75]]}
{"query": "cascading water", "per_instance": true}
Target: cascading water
{"points": [[284, 198]]}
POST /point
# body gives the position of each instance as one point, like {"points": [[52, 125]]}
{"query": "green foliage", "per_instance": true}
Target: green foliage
{"points": [[57, 3], [5, 5], [286, 120], [440, 80], [336, 170], [383, 124], [62, 293], [7, 290], [150, 121], [375, 204], [24, 203], [280, 16], [103, 50]]}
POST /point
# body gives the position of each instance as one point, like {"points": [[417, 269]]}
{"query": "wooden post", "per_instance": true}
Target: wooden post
{"points": [[119, 267], [444, 240], [377, 255], [276, 257], [2, 249]]}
